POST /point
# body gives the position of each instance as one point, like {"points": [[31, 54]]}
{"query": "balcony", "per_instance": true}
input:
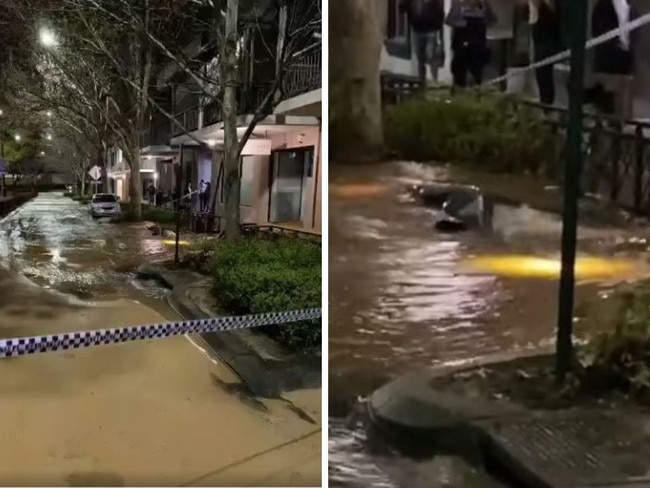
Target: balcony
{"points": [[196, 118], [305, 72], [187, 121], [157, 133]]}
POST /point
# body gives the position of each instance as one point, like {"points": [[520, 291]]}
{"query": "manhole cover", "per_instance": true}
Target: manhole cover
{"points": [[574, 449]]}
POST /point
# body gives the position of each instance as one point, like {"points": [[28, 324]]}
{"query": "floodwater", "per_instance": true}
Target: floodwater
{"points": [[400, 300], [54, 242], [161, 412]]}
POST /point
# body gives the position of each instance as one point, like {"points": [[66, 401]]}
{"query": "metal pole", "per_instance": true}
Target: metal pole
{"points": [[577, 13], [179, 189], [2, 157]]}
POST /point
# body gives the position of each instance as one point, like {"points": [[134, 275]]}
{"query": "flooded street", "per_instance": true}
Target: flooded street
{"points": [[401, 301], [157, 412]]}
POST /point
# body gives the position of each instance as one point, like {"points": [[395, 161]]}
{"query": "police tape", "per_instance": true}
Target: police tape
{"points": [[74, 340], [566, 54]]}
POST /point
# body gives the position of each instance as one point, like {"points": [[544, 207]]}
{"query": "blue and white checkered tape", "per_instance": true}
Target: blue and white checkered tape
{"points": [[74, 340]]}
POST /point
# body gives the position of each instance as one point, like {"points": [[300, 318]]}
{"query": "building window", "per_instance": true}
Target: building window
{"points": [[246, 182], [397, 27]]}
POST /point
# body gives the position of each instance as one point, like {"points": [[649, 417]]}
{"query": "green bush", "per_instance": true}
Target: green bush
{"points": [[491, 132], [260, 275], [619, 359], [152, 214], [83, 199]]}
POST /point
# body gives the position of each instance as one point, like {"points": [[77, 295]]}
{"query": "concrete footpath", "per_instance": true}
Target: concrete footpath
{"points": [[264, 368], [569, 448], [146, 413]]}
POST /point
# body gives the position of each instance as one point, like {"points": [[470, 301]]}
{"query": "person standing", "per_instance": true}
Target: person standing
{"points": [[206, 194], [546, 32], [201, 195], [426, 18], [469, 20]]}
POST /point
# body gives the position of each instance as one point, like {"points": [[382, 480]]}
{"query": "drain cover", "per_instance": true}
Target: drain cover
{"points": [[573, 449]]}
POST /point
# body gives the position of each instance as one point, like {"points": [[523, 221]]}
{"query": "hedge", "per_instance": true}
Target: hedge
{"points": [[489, 131], [253, 275]]}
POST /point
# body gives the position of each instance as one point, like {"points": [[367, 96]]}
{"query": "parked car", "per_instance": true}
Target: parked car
{"points": [[105, 205]]}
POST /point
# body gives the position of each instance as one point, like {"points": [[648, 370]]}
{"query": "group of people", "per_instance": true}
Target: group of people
{"points": [[158, 198], [469, 21]]}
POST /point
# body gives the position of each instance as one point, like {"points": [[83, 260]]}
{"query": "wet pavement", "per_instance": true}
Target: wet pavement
{"points": [[54, 242], [400, 301], [159, 412]]}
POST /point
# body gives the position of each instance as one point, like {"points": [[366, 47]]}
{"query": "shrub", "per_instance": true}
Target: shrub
{"points": [[152, 214], [83, 199], [260, 275], [619, 359], [490, 131]]}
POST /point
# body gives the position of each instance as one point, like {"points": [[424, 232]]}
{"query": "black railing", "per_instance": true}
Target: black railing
{"points": [[304, 73], [212, 113], [617, 151], [157, 133], [249, 99], [616, 156], [187, 121]]}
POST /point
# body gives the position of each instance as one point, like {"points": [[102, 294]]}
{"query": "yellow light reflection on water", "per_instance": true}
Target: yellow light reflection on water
{"points": [[172, 242], [518, 266], [357, 190]]}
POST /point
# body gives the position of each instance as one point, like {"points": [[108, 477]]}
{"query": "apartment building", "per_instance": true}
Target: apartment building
{"points": [[280, 165]]}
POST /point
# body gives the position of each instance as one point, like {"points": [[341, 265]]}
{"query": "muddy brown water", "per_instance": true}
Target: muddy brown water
{"points": [[399, 300]]}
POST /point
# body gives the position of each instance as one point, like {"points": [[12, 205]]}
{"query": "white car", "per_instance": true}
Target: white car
{"points": [[105, 205]]}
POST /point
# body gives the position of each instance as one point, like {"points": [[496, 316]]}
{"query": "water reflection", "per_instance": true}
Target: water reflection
{"points": [[400, 301]]}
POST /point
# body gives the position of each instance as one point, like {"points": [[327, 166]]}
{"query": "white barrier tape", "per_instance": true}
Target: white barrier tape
{"points": [[607, 36], [75, 340]]}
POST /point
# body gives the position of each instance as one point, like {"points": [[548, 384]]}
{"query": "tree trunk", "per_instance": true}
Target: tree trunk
{"points": [[132, 156], [356, 132], [229, 113], [101, 162]]}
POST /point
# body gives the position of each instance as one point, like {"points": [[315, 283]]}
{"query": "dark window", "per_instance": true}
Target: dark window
{"points": [[397, 26]]}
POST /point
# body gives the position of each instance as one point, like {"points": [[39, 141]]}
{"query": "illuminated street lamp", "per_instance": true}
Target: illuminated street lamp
{"points": [[47, 38], [49, 113], [17, 137], [49, 137], [42, 153]]}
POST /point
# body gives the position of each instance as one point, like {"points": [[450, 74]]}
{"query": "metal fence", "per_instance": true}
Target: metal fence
{"points": [[617, 151]]}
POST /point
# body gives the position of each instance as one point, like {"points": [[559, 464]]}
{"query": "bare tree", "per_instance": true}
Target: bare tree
{"points": [[101, 74]]}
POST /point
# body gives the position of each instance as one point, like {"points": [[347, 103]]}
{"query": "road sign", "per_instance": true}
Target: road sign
{"points": [[95, 172]]}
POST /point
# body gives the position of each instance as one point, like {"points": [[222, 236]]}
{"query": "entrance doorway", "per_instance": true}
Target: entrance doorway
{"points": [[289, 173]]}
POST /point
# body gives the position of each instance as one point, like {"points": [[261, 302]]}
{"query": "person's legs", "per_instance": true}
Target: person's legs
{"points": [[459, 67], [477, 58], [420, 45], [432, 55], [545, 76]]}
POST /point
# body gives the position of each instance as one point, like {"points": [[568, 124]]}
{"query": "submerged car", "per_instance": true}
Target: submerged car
{"points": [[105, 205]]}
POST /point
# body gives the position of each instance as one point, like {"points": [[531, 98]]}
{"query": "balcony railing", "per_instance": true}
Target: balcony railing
{"points": [[304, 73], [157, 133], [248, 101], [187, 121]]}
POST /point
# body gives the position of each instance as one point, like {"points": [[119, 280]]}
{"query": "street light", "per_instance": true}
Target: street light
{"points": [[49, 113], [47, 38], [49, 137], [42, 153], [17, 137]]}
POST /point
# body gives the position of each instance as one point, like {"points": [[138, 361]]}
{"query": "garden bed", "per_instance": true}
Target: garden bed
{"points": [[257, 275]]}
